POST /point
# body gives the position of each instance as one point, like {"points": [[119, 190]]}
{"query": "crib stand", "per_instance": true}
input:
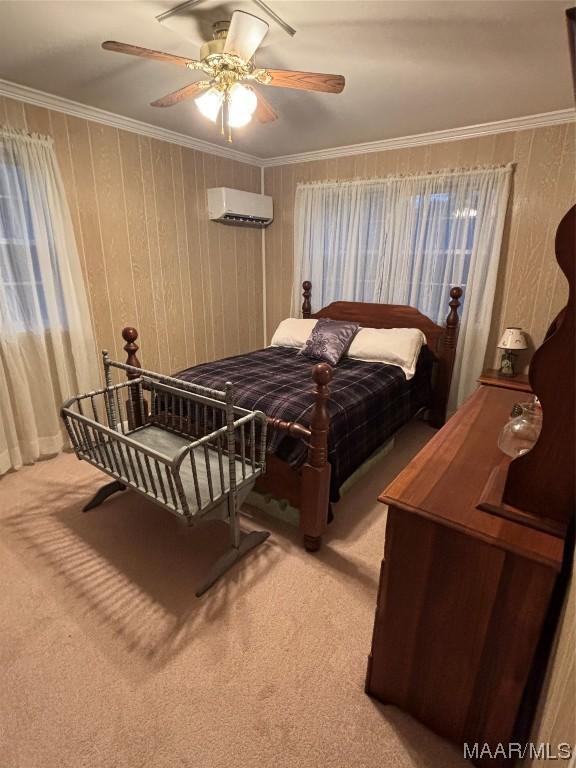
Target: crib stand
{"points": [[187, 448]]}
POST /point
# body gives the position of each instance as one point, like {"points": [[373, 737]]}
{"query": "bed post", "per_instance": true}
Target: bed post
{"points": [[136, 405], [306, 304], [445, 365], [315, 496]]}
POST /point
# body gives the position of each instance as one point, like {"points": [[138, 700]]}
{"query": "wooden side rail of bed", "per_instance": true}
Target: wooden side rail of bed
{"points": [[308, 488]]}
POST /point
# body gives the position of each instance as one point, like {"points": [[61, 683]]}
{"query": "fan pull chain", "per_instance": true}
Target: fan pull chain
{"points": [[226, 109]]}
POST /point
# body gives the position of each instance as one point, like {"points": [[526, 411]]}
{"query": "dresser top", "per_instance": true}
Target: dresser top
{"points": [[446, 479]]}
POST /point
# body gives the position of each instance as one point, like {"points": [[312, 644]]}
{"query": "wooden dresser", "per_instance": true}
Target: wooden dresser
{"points": [[463, 593]]}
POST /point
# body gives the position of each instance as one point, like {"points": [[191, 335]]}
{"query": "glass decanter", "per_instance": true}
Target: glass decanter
{"points": [[522, 430]]}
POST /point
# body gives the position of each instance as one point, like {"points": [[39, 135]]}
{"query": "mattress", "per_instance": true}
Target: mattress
{"points": [[368, 402]]}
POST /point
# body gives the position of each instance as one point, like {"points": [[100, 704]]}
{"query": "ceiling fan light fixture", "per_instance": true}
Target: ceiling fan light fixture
{"points": [[241, 106], [227, 61], [210, 103]]}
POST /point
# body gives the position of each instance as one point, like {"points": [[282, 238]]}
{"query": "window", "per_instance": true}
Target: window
{"points": [[24, 295], [407, 240], [442, 243], [362, 241], [45, 326]]}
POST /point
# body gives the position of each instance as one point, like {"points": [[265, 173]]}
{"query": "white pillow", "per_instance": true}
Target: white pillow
{"points": [[394, 346], [293, 332]]}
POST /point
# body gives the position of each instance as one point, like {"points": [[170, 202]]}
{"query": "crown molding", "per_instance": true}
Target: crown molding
{"points": [[435, 137], [76, 109]]}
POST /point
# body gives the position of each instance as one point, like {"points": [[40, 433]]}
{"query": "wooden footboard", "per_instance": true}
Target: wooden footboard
{"points": [[307, 488]]}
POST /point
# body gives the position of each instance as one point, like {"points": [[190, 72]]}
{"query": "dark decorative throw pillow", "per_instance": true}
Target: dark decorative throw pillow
{"points": [[329, 340]]}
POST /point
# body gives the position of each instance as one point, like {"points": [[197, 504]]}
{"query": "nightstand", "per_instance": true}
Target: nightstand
{"points": [[492, 378]]}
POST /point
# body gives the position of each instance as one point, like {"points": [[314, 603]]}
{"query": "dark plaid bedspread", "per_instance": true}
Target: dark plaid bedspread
{"points": [[369, 402]]}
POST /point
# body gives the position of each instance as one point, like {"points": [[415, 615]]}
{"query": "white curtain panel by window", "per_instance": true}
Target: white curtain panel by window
{"points": [[407, 240], [47, 350]]}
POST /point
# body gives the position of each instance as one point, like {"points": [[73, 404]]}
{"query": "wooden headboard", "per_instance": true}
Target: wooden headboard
{"points": [[383, 316], [440, 340]]}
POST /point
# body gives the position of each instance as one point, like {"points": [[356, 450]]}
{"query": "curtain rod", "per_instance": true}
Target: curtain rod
{"points": [[399, 177], [22, 135]]}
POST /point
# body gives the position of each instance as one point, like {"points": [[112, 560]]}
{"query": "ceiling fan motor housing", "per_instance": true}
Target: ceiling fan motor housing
{"points": [[217, 44]]}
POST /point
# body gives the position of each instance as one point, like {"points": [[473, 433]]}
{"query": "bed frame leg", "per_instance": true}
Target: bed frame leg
{"points": [[312, 543], [103, 493]]}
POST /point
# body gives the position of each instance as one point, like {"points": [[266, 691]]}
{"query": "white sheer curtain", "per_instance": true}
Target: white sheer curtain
{"points": [[47, 350], [407, 240]]}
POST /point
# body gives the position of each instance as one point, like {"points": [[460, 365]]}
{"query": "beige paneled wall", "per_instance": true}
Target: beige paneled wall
{"points": [[151, 257], [530, 289], [193, 288]]}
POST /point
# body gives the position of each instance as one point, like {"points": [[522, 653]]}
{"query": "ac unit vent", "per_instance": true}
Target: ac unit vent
{"points": [[244, 221]]}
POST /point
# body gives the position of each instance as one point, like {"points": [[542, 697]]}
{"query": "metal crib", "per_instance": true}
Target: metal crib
{"points": [[186, 447]]}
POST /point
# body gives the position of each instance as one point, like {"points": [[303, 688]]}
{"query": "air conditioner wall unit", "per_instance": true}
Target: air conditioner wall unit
{"points": [[234, 206]]}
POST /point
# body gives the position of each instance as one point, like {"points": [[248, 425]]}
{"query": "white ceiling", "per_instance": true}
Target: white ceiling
{"points": [[410, 67]]}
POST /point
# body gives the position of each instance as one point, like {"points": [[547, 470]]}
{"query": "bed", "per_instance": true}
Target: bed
{"points": [[321, 434]]}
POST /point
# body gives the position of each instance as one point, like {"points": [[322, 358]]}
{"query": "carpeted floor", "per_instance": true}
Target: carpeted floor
{"points": [[108, 660]]}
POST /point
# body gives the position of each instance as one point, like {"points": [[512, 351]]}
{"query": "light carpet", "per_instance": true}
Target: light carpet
{"points": [[108, 660]]}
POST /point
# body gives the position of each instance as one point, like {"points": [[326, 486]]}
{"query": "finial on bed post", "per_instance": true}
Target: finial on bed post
{"points": [[452, 321], [316, 471], [306, 304], [446, 357], [136, 406], [130, 335]]}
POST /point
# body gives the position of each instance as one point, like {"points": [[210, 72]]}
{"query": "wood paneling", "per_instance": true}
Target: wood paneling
{"points": [[150, 255], [531, 289]]}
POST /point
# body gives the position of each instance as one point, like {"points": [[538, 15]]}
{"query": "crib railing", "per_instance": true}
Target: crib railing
{"points": [[103, 427]]}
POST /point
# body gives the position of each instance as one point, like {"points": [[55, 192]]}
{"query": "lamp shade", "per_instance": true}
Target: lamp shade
{"points": [[513, 338]]}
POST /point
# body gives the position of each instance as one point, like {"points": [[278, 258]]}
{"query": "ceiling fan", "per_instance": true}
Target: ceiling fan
{"points": [[228, 60]]}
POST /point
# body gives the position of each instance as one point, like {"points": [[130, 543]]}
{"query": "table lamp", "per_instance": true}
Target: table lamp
{"points": [[513, 339]]}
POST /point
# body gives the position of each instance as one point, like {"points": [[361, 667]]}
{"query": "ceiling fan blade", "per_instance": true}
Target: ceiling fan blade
{"points": [[146, 53], [265, 112], [306, 81], [177, 9], [245, 34], [182, 93]]}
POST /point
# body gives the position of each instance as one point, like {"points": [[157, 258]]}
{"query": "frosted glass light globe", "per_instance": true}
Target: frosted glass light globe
{"points": [[241, 106], [210, 103]]}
